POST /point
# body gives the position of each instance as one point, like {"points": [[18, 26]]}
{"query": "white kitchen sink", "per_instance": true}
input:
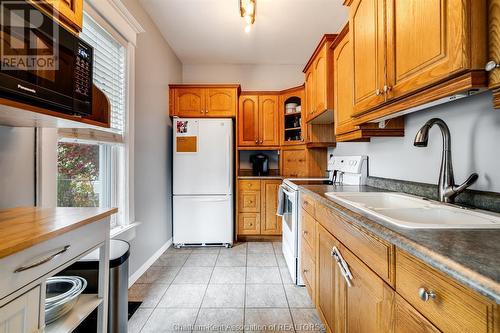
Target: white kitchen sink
{"points": [[415, 213]]}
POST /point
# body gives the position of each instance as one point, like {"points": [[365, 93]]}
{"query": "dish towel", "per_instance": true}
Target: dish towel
{"points": [[281, 202]]}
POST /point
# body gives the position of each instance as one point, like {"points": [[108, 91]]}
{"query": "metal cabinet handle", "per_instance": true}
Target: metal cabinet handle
{"points": [[206, 111], [202, 111], [305, 271], [344, 267], [377, 92], [42, 261], [425, 295], [305, 232], [491, 65], [256, 140], [387, 89], [261, 141]]}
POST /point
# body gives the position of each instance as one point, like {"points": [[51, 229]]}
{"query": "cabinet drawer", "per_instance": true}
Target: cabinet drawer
{"points": [[249, 202], [374, 252], [307, 203], [308, 229], [249, 223], [454, 308], [79, 241], [308, 270], [249, 185], [407, 319]]}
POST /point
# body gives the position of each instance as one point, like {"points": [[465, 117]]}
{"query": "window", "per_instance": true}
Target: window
{"points": [[92, 167]]}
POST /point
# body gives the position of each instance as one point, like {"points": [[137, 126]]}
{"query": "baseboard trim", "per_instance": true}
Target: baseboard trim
{"points": [[138, 273]]}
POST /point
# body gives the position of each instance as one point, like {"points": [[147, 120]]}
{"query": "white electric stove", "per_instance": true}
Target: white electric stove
{"points": [[343, 170]]}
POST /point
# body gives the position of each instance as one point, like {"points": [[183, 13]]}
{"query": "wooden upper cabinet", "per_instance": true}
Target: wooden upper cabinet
{"points": [[268, 120], [205, 100], [270, 222], [258, 121], [494, 49], [68, 12], [319, 81], [343, 85], [189, 102], [366, 20], [221, 102], [248, 121]]}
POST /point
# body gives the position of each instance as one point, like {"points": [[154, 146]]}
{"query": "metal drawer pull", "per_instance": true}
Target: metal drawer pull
{"points": [[42, 261], [425, 295], [344, 268]]}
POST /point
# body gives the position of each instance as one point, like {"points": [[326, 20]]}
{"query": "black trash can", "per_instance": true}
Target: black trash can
{"points": [[88, 268]]}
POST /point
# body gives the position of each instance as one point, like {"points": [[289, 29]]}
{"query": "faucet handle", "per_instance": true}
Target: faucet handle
{"points": [[471, 180]]}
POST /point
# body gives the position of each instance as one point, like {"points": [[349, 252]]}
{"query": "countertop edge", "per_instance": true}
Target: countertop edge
{"points": [[470, 278], [21, 246]]}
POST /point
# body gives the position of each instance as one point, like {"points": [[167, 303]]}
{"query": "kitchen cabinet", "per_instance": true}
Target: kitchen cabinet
{"points": [[319, 83], [258, 121], [409, 53], [200, 101], [257, 204], [21, 315], [494, 50], [67, 12], [299, 161], [292, 124], [407, 319]]}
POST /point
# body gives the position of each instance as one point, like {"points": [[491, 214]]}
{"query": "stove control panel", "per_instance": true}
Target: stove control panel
{"points": [[353, 169]]}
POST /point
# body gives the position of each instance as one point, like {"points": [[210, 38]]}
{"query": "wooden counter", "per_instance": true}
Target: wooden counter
{"points": [[21, 228]]}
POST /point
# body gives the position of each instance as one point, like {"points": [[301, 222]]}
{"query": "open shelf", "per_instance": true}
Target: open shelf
{"points": [[85, 305], [293, 129], [293, 114]]}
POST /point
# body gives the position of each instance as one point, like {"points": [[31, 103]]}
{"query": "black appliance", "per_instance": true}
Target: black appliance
{"points": [[43, 64], [260, 164]]}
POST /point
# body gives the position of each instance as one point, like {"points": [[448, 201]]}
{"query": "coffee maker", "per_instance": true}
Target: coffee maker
{"points": [[260, 164]]}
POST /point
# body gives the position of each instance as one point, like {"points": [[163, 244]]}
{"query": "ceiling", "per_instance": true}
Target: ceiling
{"points": [[212, 31]]}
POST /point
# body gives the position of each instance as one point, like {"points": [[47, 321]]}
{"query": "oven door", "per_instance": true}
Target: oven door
{"points": [[289, 230], [42, 64]]}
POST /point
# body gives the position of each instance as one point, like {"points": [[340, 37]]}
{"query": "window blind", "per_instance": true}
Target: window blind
{"points": [[109, 68]]}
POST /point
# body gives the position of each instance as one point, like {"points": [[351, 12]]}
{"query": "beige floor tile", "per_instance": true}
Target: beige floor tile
{"points": [[237, 248], [224, 296], [201, 260], [281, 260], [261, 260], [148, 294], [183, 296], [159, 274], [206, 249], [172, 249], [138, 320], [265, 296], [268, 320], [298, 297], [219, 320], [170, 320], [307, 320], [231, 260], [286, 276], [228, 275], [263, 275], [260, 247], [278, 249], [172, 259], [193, 275]]}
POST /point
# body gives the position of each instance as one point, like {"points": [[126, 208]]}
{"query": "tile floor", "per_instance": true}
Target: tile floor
{"points": [[244, 288]]}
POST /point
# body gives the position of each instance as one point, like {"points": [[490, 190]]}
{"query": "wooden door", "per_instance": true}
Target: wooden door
{"points": [[294, 163], [269, 120], [320, 84], [328, 281], [369, 301], [221, 102], [270, 223], [310, 103], [425, 43], [367, 35], [21, 315], [407, 319], [248, 223], [494, 42], [248, 120], [189, 102], [343, 86]]}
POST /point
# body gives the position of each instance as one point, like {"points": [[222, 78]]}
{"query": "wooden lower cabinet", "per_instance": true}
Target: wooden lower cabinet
{"points": [[407, 319], [257, 204]]}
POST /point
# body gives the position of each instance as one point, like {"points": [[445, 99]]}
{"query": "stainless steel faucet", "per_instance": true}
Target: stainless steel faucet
{"points": [[447, 190]]}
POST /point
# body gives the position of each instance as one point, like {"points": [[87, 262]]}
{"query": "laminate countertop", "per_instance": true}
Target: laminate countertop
{"points": [[247, 174], [23, 227], [472, 257]]}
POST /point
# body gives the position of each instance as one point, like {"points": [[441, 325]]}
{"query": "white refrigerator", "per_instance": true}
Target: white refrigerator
{"points": [[202, 182]]}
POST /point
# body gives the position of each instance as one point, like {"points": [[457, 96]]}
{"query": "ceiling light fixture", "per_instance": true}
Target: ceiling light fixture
{"points": [[247, 11]]}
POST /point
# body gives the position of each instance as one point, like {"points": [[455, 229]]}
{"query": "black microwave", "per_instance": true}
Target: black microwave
{"points": [[43, 64]]}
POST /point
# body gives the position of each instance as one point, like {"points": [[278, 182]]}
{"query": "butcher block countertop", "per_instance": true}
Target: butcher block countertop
{"points": [[23, 227]]}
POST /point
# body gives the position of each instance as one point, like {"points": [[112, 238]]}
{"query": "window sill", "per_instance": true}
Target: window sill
{"points": [[126, 231]]}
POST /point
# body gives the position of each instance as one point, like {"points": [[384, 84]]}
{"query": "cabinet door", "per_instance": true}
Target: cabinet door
{"points": [[249, 224], [22, 314], [407, 319], [343, 85], [248, 121], [69, 12], [310, 106], [366, 24], [494, 42], [328, 281], [320, 77], [270, 223], [269, 120], [425, 43], [189, 102], [221, 102], [294, 163], [369, 301]]}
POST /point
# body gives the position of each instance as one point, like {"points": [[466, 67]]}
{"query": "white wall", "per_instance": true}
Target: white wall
{"points": [[251, 77], [475, 136], [156, 67], [17, 167]]}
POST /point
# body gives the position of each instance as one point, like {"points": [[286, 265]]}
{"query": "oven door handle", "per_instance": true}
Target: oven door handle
{"points": [[288, 193]]}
